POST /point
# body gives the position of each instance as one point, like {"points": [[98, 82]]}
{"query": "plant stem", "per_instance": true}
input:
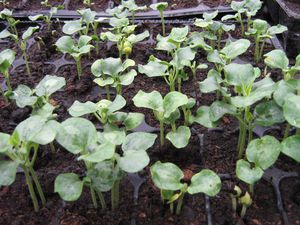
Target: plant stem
{"points": [[93, 195], [172, 86], [250, 133], [242, 140], [243, 211], [78, 65], [38, 185], [173, 126], [31, 189], [287, 131], [262, 49], [248, 22], [298, 131], [179, 84], [26, 62], [256, 52], [7, 79], [52, 147], [102, 200], [179, 204], [251, 189], [107, 92], [162, 135], [242, 24], [233, 202], [115, 195], [172, 207], [119, 89], [220, 33], [163, 23]]}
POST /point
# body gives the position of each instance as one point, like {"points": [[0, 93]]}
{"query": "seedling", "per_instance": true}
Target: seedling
{"points": [[40, 96], [76, 49], [88, 2], [47, 18], [167, 177], [132, 8], [7, 57], [161, 6], [261, 31], [260, 155], [107, 112], [22, 149], [104, 166], [112, 72], [213, 29], [21, 42]]}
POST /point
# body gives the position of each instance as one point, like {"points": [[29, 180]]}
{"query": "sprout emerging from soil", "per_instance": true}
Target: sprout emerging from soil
{"points": [[161, 6]]}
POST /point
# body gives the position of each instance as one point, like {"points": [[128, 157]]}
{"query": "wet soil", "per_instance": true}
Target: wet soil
{"points": [[214, 149]]}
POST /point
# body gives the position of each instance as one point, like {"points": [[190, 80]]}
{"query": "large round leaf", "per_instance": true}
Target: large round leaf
{"points": [[240, 74], [218, 109], [100, 153], [172, 101], [49, 84], [167, 176], [291, 109], [263, 152], [179, 138], [291, 147], [235, 48], [276, 59], [248, 174], [152, 100], [153, 69], [8, 170], [138, 141], [72, 27], [133, 120], [133, 161], [268, 113], [207, 182], [68, 186], [203, 117]]}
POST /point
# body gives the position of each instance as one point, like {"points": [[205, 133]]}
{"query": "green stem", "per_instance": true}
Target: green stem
{"points": [[7, 79], [172, 86], [173, 126], [79, 68], [107, 92], [102, 200], [93, 195], [119, 89], [287, 131], [250, 133], [234, 203], [163, 23], [220, 33], [52, 147], [179, 204], [26, 62], [31, 189], [251, 189], [243, 211], [179, 84], [172, 207], [262, 49], [38, 185], [162, 135], [248, 22], [242, 24], [242, 139], [256, 52], [115, 195]]}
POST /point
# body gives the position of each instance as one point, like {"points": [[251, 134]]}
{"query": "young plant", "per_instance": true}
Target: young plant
{"points": [[40, 96], [21, 42], [261, 154], [123, 35], [167, 177], [244, 200], [161, 6], [105, 167], [107, 112], [213, 30], [112, 72], [76, 49], [261, 32], [47, 18], [132, 8], [7, 57], [166, 110], [22, 149], [245, 7], [88, 2]]}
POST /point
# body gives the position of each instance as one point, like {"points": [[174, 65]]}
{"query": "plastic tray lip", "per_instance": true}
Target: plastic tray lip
{"points": [[287, 10]]}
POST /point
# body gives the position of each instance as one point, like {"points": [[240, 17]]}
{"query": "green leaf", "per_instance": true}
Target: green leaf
{"points": [[240, 74], [4, 142], [27, 34], [161, 6], [8, 171], [138, 141], [172, 101], [218, 109], [183, 57], [36, 17], [65, 44], [278, 29], [203, 117], [79, 109], [235, 48], [179, 138], [117, 104], [248, 174], [163, 44], [72, 27], [210, 84], [68, 186], [133, 120], [23, 96], [76, 134], [178, 35], [207, 182], [153, 69], [152, 100], [291, 109], [166, 176], [138, 38], [49, 84], [263, 152], [268, 113], [100, 153], [133, 161], [116, 137], [47, 134], [277, 59], [7, 57], [282, 92], [290, 147]]}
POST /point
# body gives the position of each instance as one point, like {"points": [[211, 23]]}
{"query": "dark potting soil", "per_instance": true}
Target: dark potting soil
{"points": [[214, 150], [293, 5], [20, 5]]}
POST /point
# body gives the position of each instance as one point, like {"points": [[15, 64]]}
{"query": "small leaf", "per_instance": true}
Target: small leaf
{"points": [[79, 109], [27, 34], [8, 171], [247, 174], [133, 161], [68, 186], [172, 101], [235, 48], [49, 84], [277, 59], [218, 109], [179, 138], [152, 100], [268, 113], [203, 117], [100, 153], [138, 141], [72, 27], [153, 69], [290, 147], [133, 120], [291, 109]]}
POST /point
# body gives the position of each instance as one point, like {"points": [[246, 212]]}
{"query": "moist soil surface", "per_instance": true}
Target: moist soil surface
{"points": [[213, 149]]}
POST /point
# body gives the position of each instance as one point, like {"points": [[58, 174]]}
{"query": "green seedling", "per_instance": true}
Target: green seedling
{"points": [[245, 7], [76, 49], [7, 57], [105, 168], [22, 149], [88, 3], [213, 30], [261, 32], [132, 8], [239, 199], [107, 112], [112, 72], [167, 177], [160, 7]]}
